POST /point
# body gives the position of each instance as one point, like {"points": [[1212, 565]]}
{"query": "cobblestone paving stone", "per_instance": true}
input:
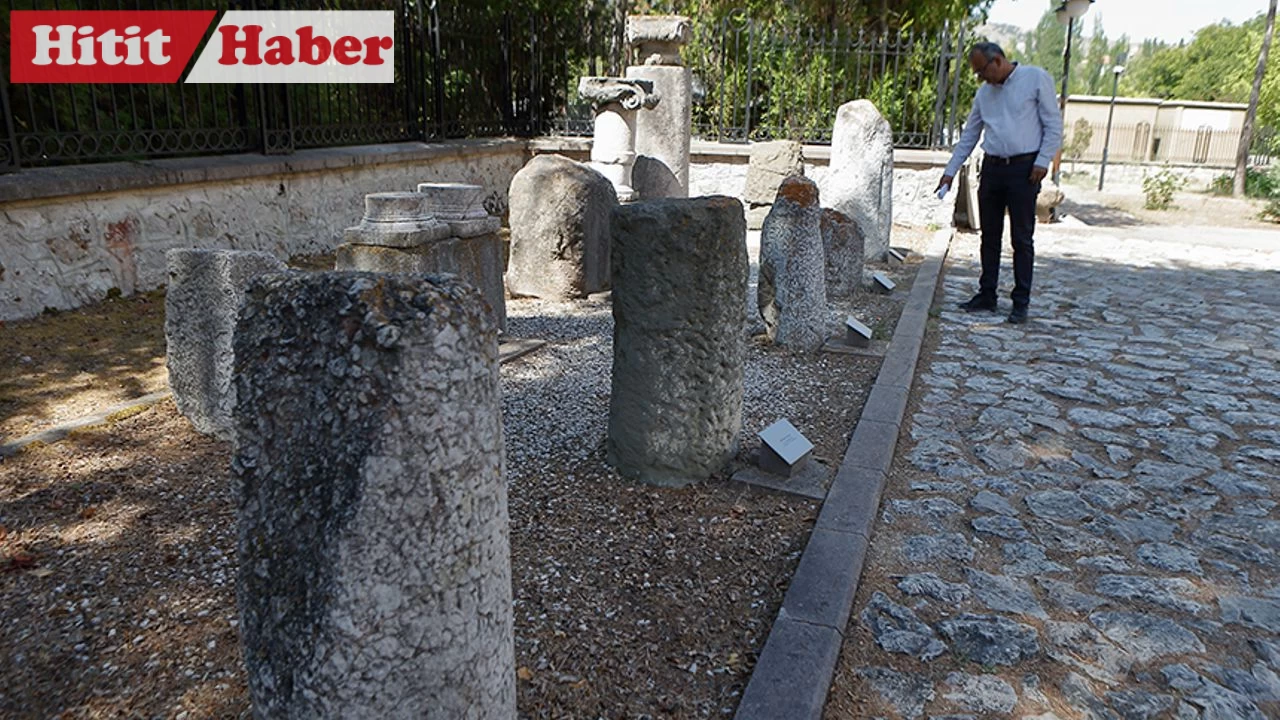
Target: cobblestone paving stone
{"points": [[1083, 519]]}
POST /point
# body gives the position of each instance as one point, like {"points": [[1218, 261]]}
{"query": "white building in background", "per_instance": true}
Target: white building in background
{"points": [[1154, 130]]}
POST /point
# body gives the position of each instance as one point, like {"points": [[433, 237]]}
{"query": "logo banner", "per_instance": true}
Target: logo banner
{"points": [[299, 46], [103, 46]]}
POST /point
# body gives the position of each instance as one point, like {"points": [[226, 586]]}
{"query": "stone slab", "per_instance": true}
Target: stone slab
{"points": [[872, 445], [876, 349], [60, 431], [853, 501], [516, 348], [811, 480], [793, 674], [822, 590], [886, 403]]}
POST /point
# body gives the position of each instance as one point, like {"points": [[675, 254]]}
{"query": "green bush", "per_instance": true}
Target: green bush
{"points": [[1272, 211], [1159, 188], [1258, 183]]}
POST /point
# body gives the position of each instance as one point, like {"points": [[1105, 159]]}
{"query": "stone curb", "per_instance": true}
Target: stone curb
{"points": [[794, 671], [58, 432]]}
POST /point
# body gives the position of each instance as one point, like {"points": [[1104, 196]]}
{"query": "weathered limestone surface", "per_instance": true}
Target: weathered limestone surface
{"points": [[771, 163], [461, 207], [613, 145], [679, 293], [560, 214], [400, 234], [477, 260], [375, 576], [664, 134], [203, 297], [1048, 200], [842, 244], [860, 182], [792, 294]]}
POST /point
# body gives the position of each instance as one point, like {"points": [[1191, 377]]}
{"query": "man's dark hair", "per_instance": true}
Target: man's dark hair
{"points": [[989, 50]]}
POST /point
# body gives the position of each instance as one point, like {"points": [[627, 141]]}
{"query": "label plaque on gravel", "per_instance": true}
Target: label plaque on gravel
{"points": [[856, 334], [785, 449], [881, 283]]}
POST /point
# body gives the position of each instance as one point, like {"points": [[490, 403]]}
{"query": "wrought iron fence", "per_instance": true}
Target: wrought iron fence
{"points": [[760, 81], [465, 70]]}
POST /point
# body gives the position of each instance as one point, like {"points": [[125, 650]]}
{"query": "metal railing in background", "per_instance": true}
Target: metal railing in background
{"points": [[1144, 143]]}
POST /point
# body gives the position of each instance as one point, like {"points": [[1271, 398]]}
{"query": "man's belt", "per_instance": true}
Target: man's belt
{"points": [[1009, 160]]}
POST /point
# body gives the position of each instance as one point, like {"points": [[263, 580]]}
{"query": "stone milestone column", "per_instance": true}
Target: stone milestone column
{"points": [[679, 342], [860, 181], [560, 214], [375, 571], [792, 292], [662, 136], [204, 294], [613, 148], [444, 228]]}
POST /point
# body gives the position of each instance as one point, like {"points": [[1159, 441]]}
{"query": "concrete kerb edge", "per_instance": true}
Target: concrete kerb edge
{"points": [[58, 432], [765, 698]]}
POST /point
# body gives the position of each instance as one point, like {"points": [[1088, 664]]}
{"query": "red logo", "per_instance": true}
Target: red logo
{"points": [[108, 46]]}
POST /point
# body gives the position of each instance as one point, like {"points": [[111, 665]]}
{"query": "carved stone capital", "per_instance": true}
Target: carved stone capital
{"points": [[630, 94], [658, 38]]}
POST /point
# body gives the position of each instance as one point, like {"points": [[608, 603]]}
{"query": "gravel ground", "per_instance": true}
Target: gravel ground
{"points": [[117, 558]]}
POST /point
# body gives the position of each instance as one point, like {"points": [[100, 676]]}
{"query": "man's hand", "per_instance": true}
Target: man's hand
{"points": [[945, 181], [1038, 173]]}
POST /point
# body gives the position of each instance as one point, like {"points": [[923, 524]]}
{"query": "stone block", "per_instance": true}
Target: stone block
{"points": [[793, 674], [476, 260], [560, 215], [771, 163], [844, 254], [679, 297], [792, 294], [1047, 202], [203, 298], [860, 181], [375, 572], [822, 589]]}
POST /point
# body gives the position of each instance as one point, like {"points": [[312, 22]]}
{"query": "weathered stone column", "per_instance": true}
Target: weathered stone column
{"points": [[443, 229], [679, 343], [204, 294], [560, 214], [860, 181], [613, 148], [375, 571], [662, 136], [842, 246], [792, 291]]}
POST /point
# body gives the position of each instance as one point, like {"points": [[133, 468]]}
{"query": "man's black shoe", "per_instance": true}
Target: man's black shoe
{"points": [[1017, 316], [978, 303]]}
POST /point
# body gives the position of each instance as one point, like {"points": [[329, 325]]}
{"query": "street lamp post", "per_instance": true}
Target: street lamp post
{"points": [[1067, 13], [1106, 144]]}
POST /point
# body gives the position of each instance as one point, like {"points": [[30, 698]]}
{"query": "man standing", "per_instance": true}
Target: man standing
{"points": [[1018, 109]]}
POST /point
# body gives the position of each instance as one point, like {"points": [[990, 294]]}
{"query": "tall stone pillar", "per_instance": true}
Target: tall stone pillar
{"points": [[444, 228], [860, 180], [792, 293], [662, 136], [679, 341], [203, 297], [613, 146], [375, 569]]}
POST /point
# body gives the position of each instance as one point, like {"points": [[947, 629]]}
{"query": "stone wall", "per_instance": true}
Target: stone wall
{"points": [[70, 235], [110, 225]]}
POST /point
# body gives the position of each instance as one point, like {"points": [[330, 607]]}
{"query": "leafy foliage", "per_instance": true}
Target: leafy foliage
{"points": [[1259, 183], [1159, 187]]}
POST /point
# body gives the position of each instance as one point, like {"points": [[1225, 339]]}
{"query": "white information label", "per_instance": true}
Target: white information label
{"points": [[883, 281], [852, 323], [783, 438]]}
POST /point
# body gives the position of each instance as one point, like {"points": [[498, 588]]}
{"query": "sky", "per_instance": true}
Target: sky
{"points": [[1169, 20]]}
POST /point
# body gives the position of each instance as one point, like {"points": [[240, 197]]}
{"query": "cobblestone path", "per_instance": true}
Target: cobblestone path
{"points": [[1082, 520]]}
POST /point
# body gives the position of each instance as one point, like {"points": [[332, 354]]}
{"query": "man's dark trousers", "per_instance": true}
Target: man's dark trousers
{"points": [[1005, 185]]}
